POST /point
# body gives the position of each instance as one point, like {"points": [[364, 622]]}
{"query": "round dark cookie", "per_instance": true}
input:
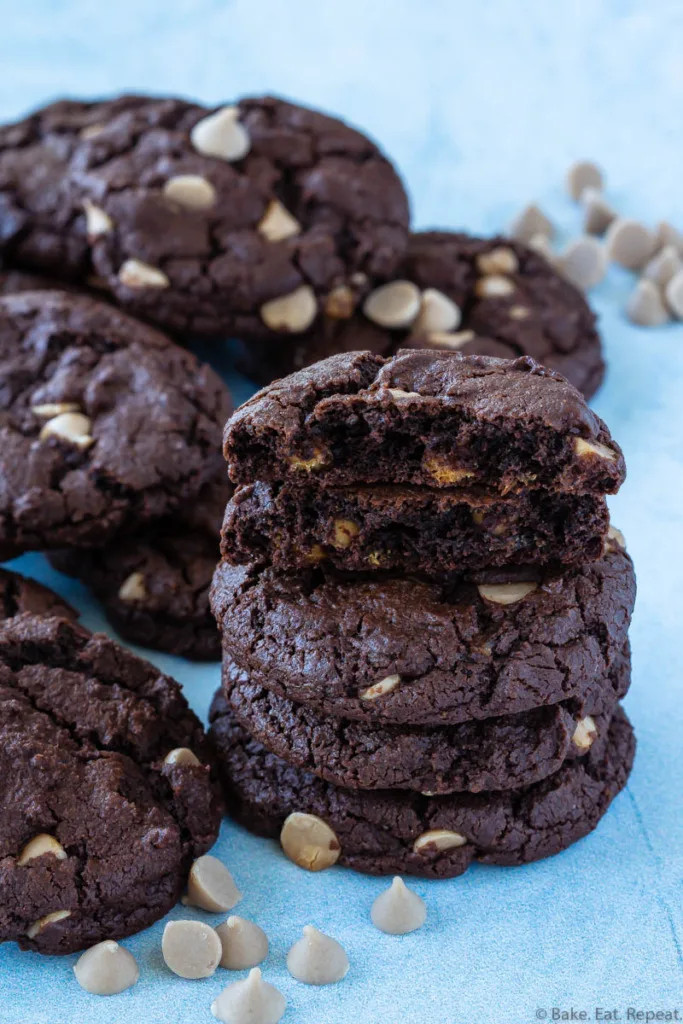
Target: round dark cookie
{"points": [[405, 651], [434, 419], [409, 529], [20, 595], [105, 423], [40, 228], [154, 585], [541, 315], [377, 831], [85, 728], [494, 754], [281, 201]]}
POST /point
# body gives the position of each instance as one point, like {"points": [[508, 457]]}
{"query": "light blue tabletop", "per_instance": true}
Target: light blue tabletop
{"points": [[483, 105]]}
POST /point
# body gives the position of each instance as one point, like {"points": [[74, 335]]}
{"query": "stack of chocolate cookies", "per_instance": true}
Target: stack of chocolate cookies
{"points": [[424, 614]]}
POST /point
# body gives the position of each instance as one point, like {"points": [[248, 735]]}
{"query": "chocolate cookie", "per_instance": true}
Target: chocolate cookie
{"points": [[100, 824], [497, 753], [405, 651], [409, 528], [392, 832], [508, 302], [430, 418], [14, 281], [243, 220], [40, 228], [154, 585], [20, 595], [105, 424]]}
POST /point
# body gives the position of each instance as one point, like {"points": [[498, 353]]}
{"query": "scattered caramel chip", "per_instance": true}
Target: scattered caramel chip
{"points": [[344, 532], [582, 175], [380, 689], [317, 959], [394, 305], [91, 131], [39, 846], [616, 537], [182, 756], [493, 287], [191, 949], [72, 427], [585, 734], [530, 222], [664, 265], [314, 555], [506, 593], [277, 223], [49, 410], [438, 839], [597, 213], [316, 460], [44, 922], [398, 910], [583, 262], [106, 969], [291, 313], [500, 260], [137, 275], [191, 191], [244, 944], [445, 474], [133, 588], [340, 304], [97, 222], [309, 842], [629, 243], [667, 234], [437, 313], [211, 886], [252, 1001], [645, 305], [221, 135], [542, 247], [583, 448], [519, 313]]}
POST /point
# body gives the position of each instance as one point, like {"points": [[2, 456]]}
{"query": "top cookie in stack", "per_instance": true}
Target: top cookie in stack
{"points": [[423, 462], [421, 598]]}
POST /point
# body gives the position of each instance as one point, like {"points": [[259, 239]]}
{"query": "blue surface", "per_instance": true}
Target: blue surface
{"points": [[483, 105]]}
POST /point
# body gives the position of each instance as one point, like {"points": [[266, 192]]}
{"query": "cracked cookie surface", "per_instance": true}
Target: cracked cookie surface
{"points": [[105, 423], [497, 753], [154, 584], [402, 650], [189, 230], [85, 729], [393, 832], [434, 419], [539, 314]]}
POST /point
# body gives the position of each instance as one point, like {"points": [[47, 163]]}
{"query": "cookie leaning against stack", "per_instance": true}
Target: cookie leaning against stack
{"points": [[424, 614], [110, 448]]}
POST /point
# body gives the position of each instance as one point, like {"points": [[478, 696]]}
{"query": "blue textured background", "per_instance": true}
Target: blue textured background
{"points": [[483, 105]]}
